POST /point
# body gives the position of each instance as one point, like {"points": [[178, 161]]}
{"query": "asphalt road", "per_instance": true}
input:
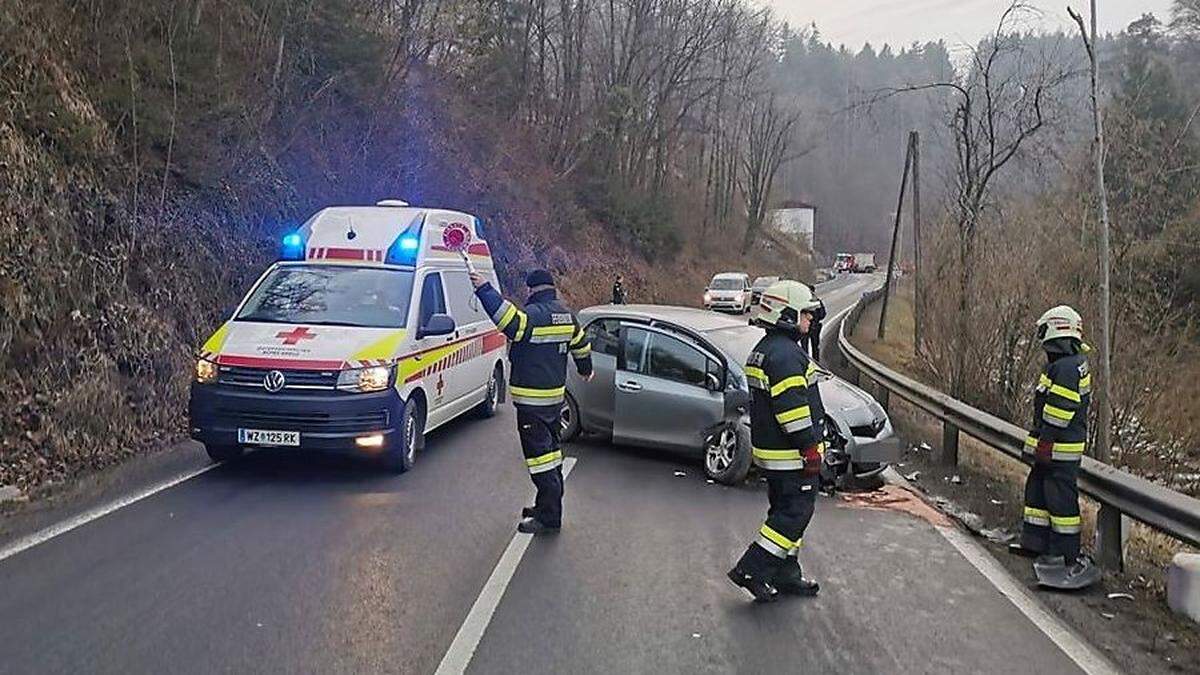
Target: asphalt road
{"points": [[281, 564]]}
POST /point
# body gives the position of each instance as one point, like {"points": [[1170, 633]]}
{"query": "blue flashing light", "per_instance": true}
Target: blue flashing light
{"points": [[409, 243], [293, 247]]}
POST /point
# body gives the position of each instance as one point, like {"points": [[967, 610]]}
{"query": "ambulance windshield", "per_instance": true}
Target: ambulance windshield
{"points": [[327, 295]]}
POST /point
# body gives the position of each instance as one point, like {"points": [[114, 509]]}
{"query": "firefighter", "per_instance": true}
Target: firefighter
{"points": [[786, 432], [1051, 524], [813, 337], [618, 291], [541, 335]]}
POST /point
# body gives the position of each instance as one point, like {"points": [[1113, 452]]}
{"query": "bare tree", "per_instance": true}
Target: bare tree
{"points": [[768, 136], [994, 108]]}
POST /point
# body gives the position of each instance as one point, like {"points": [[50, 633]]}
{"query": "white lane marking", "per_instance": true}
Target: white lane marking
{"points": [[41, 536], [1084, 655], [462, 649]]}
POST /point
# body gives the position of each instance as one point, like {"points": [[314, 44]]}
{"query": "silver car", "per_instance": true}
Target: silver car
{"points": [[672, 378]]}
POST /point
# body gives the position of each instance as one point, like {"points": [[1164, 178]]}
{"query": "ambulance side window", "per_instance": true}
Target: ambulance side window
{"points": [[464, 305], [433, 300]]}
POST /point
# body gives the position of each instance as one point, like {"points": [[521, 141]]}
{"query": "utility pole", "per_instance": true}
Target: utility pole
{"points": [[915, 141], [887, 284]]}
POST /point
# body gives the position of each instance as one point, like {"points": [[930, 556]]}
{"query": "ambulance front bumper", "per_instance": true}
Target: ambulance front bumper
{"points": [[326, 422]]}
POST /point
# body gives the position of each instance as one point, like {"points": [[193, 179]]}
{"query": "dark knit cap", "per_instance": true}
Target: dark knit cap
{"points": [[539, 278]]}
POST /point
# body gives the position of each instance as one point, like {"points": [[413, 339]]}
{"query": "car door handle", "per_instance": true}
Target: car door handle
{"points": [[629, 386]]}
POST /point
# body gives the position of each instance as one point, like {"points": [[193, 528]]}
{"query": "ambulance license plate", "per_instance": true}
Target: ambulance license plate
{"points": [[261, 437]]}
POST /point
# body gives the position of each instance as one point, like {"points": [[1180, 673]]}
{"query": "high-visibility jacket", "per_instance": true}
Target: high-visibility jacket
{"points": [[542, 334], [786, 413], [1060, 407]]}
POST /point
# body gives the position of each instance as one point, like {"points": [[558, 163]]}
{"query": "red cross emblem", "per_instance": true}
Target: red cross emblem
{"points": [[441, 383], [296, 335]]}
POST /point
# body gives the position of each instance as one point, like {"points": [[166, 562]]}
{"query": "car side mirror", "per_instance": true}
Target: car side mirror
{"points": [[438, 324]]}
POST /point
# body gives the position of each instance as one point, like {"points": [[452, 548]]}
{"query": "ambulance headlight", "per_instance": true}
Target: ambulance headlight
{"points": [[206, 371], [365, 379]]}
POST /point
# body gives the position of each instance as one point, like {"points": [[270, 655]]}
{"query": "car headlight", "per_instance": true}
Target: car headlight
{"points": [[707, 296], [377, 378], [206, 371]]}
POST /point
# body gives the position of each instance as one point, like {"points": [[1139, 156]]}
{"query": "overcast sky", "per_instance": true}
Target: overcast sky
{"points": [[901, 22]]}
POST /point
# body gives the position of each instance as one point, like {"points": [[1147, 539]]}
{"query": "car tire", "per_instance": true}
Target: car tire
{"points": [[491, 401], [569, 419], [727, 454], [224, 453], [401, 456]]}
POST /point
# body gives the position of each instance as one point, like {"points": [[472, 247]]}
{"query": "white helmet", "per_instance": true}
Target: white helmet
{"points": [[1059, 322], [783, 301]]}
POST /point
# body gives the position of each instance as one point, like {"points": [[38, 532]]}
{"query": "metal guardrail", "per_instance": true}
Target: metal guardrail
{"points": [[1118, 492]]}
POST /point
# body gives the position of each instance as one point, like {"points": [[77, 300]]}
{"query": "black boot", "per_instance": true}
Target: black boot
{"points": [[1022, 551], [760, 588], [535, 526], [528, 512], [790, 580]]}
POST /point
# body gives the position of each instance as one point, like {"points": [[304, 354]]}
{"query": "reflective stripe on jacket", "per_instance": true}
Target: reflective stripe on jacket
{"points": [[542, 334], [786, 413]]}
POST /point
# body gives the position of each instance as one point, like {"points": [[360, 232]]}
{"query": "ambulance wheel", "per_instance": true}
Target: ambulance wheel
{"points": [[401, 456], [569, 417], [727, 454], [491, 401], [223, 453]]}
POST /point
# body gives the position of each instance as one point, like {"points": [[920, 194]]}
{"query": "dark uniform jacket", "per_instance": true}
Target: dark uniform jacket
{"points": [[1060, 407], [786, 413], [541, 336]]}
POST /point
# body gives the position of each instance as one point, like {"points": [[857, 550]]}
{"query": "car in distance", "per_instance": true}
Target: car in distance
{"points": [[756, 289], [672, 378], [728, 292]]}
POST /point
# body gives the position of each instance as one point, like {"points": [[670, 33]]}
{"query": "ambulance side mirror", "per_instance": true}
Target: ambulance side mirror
{"points": [[438, 324]]}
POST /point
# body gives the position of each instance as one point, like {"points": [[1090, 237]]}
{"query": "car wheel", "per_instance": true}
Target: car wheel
{"points": [[224, 453], [569, 419], [402, 455], [491, 401], [727, 454]]}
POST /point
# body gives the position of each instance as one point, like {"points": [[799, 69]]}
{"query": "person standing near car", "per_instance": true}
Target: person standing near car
{"points": [[1051, 523], [618, 291], [541, 335], [813, 337], [787, 434]]}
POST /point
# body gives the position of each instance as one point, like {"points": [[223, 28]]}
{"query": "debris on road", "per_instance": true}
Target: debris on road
{"points": [[696, 635], [916, 475], [956, 479], [1123, 596], [896, 498], [1107, 615], [680, 474], [996, 502], [710, 481], [998, 535], [925, 447]]}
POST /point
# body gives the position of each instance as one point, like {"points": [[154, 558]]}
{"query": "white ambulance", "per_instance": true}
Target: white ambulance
{"points": [[364, 336]]}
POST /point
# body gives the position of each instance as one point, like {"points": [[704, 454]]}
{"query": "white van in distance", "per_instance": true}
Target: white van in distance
{"points": [[728, 292]]}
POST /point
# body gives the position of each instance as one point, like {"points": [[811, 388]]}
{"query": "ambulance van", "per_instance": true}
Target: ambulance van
{"points": [[362, 338]]}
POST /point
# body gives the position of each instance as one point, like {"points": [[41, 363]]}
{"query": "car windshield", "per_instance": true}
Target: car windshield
{"points": [[763, 282], [727, 284], [331, 296]]}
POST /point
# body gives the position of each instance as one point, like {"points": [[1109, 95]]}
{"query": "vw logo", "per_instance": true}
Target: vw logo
{"points": [[274, 381]]}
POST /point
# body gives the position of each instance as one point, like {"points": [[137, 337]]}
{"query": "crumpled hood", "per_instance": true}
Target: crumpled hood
{"points": [[850, 403]]}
